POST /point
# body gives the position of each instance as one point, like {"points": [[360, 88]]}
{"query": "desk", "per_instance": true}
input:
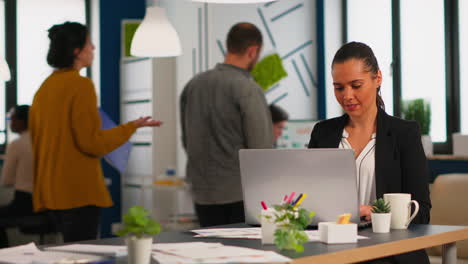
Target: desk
{"points": [[379, 245]]}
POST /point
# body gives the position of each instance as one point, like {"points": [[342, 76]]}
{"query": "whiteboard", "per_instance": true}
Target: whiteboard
{"points": [[296, 134]]}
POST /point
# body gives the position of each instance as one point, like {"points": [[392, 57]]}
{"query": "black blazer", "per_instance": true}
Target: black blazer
{"points": [[400, 162]]}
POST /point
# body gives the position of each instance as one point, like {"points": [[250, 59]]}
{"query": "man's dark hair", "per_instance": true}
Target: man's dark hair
{"points": [[64, 39], [21, 112], [278, 114], [242, 36]]}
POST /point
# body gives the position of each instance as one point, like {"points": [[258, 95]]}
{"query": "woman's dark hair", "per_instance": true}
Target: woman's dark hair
{"points": [[64, 39], [360, 51], [21, 112], [278, 114], [242, 36]]}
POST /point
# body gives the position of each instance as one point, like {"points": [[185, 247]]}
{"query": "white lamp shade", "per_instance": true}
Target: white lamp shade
{"points": [[234, 1], [4, 70], [155, 37]]}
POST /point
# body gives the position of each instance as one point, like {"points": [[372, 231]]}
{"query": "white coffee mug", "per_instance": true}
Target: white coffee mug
{"points": [[400, 206]]}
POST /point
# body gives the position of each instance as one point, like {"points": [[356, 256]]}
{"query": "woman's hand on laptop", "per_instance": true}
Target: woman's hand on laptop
{"points": [[365, 211]]}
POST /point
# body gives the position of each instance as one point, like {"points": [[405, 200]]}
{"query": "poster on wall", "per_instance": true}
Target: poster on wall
{"points": [[289, 40], [296, 134]]}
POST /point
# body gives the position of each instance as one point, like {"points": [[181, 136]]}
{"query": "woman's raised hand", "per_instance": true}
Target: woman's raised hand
{"points": [[146, 121]]}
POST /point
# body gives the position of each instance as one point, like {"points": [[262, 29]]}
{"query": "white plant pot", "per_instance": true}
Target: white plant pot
{"points": [[381, 222], [427, 145], [139, 249]]}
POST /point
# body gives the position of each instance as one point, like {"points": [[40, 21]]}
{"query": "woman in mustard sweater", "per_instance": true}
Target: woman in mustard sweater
{"points": [[67, 138]]}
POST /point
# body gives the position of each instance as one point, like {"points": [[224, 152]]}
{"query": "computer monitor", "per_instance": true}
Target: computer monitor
{"points": [[327, 176]]}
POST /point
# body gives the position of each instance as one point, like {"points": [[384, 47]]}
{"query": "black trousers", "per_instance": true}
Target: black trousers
{"points": [[220, 214], [20, 206], [78, 224]]}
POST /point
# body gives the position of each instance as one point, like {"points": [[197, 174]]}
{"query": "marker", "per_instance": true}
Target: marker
{"points": [[264, 205], [297, 200], [291, 197], [300, 200]]}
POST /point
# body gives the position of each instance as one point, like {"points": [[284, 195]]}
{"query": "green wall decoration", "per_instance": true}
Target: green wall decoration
{"points": [[129, 31], [269, 71]]}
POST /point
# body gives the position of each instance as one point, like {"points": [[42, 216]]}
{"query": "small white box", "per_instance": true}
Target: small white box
{"points": [[333, 233]]}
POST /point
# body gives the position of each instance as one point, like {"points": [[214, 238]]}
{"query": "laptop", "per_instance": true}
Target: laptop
{"points": [[327, 176]]}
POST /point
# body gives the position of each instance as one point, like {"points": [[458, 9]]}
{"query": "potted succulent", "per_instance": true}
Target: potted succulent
{"points": [[290, 223], [420, 111], [381, 216], [139, 230]]}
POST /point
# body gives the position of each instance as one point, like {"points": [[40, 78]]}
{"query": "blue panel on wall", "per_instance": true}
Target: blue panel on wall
{"points": [[110, 39], [321, 93]]}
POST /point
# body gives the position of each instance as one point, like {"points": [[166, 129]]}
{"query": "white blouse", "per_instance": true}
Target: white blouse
{"points": [[365, 167]]}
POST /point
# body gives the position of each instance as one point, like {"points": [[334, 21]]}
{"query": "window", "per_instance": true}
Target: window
{"points": [[34, 18], [423, 59], [463, 28], [377, 34]]}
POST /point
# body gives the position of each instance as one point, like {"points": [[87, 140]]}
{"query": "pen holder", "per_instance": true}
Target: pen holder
{"points": [[333, 233], [268, 226]]}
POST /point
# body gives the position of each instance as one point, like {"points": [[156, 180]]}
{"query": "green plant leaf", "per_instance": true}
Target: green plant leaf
{"points": [[420, 111], [138, 223], [291, 222]]}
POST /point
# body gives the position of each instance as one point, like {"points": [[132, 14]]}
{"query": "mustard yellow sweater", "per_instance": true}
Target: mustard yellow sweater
{"points": [[68, 142]]}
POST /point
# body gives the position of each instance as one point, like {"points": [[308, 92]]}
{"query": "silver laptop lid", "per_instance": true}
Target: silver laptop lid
{"points": [[328, 176]]}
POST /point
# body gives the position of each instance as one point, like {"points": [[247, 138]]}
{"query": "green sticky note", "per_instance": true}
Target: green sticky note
{"points": [[269, 71], [130, 29]]}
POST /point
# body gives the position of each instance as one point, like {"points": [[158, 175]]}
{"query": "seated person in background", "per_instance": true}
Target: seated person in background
{"points": [[17, 169], [388, 150], [279, 118]]}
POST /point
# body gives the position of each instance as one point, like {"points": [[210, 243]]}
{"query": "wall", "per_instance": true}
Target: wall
{"points": [[111, 14], [288, 27]]}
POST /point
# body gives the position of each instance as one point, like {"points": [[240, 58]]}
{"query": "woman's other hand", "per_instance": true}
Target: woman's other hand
{"points": [[365, 211], [146, 121]]}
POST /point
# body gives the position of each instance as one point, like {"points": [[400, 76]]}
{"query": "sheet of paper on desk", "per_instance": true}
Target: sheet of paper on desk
{"points": [[21, 254], [30, 254], [199, 252], [107, 250], [247, 233]]}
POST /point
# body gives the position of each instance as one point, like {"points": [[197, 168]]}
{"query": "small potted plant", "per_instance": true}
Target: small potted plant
{"points": [[381, 216], [290, 223], [139, 230], [419, 110]]}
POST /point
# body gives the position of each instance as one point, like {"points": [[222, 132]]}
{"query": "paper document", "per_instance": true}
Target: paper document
{"points": [[200, 252], [120, 156], [248, 233], [30, 254], [107, 250]]}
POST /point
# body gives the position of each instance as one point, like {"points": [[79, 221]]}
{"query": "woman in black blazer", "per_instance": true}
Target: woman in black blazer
{"points": [[398, 164]]}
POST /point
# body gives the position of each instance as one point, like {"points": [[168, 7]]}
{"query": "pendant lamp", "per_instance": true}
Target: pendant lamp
{"points": [[4, 70], [234, 1], [155, 36]]}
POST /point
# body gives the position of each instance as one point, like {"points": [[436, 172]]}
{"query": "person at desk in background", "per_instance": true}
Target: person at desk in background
{"points": [[223, 110], [279, 117], [67, 139], [388, 150], [17, 170]]}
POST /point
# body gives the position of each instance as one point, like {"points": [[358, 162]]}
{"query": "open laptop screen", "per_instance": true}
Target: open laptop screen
{"points": [[328, 176]]}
